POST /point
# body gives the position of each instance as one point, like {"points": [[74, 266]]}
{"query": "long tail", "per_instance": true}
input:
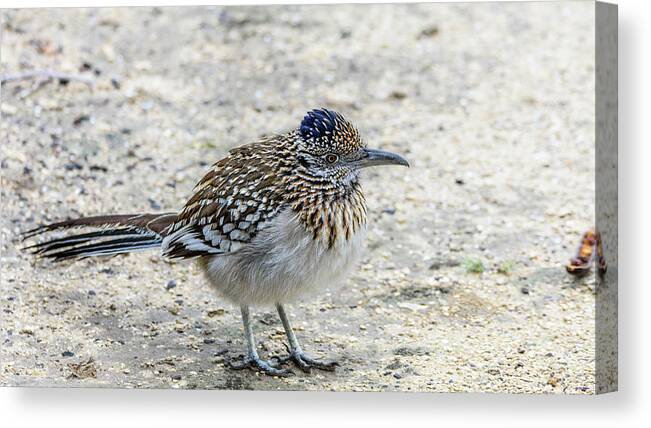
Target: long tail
{"points": [[117, 234]]}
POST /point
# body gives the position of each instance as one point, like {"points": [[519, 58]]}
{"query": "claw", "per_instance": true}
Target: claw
{"points": [[305, 362], [260, 365]]}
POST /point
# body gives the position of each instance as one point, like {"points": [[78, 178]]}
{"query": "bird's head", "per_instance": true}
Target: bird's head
{"points": [[331, 148]]}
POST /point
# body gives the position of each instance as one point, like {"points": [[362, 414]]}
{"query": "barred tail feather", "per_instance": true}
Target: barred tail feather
{"points": [[118, 234]]}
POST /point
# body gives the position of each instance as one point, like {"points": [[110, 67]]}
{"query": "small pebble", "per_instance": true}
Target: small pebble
{"points": [[153, 204], [81, 119], [70, 166]]}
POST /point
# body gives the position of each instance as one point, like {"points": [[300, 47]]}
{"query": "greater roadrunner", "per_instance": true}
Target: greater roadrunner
{"points": [[269, 222]]}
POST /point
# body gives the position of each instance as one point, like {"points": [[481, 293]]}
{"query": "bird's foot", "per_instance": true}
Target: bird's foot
{"points": [[306, 363], [257, 364]]}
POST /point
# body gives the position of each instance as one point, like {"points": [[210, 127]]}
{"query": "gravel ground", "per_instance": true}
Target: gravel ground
{"points": [[462, 286]]}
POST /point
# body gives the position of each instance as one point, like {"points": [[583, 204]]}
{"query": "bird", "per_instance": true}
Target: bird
{"points": [[272, 222]]}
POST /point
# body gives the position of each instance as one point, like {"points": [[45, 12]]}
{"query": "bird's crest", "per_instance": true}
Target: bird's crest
{"points": [[329, 129]]}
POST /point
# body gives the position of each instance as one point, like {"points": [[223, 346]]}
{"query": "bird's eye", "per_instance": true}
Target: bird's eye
{"points": [[331, 158]]}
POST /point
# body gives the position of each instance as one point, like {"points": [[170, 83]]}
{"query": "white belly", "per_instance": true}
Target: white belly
{"points": [[282, 263]]}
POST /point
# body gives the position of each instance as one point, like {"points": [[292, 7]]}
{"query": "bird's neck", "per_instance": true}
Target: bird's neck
{"points": [[331, 213]]}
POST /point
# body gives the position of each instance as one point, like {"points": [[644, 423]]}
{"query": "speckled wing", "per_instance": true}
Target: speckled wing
{"points": [[231, 204]]}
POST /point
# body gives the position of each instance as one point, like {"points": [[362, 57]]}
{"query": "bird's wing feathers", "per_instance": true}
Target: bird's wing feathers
{"points": [[230, 205]]}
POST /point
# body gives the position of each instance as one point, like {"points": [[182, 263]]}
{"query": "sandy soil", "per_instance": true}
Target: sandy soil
{"points": [[462, 287]]}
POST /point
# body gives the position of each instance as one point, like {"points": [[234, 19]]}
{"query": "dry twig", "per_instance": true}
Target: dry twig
{"points": [[45, 75], [42, 77]]}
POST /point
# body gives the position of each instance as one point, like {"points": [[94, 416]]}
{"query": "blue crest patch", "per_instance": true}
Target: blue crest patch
{"points": [[320, 123]]}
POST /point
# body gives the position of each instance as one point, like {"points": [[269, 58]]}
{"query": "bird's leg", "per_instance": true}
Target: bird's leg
{"points": [[296, 354], [252, 360]]}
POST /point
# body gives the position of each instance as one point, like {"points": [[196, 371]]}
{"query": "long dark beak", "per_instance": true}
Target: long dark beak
{"points": [[375, 157]]}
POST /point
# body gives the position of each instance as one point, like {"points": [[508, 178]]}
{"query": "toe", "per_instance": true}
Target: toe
{"points": [[321, 365], [261, 366], [267, 368], [302, 364], [270, 370], [239, 365], [325, 365]]}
